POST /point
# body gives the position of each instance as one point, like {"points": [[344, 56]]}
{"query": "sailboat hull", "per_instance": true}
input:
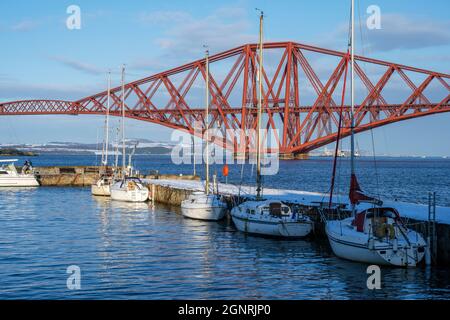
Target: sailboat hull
{"points": [[129, 196], [101, 190], [381, 253], [201, 206], [274, 229], [204, 213]]}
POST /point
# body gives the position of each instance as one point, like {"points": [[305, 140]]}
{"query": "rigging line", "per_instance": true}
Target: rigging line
{"points": [[339, 179], [96, 148], [375, 165], [330, 189], [336, 150], [377, 185]]}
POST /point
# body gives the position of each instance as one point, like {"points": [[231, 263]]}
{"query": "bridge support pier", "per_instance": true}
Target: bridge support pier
{"points": [[294, 156], [282, 156]]}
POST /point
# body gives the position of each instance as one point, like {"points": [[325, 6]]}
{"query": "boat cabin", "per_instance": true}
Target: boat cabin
{"points": [[382, 222], [8, 168], [132, 182], [273, 208]]}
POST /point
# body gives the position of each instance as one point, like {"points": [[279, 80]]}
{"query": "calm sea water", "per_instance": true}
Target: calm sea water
{"points": [[133, 251]]}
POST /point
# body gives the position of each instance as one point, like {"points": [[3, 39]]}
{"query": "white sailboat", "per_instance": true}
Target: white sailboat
{"points": [[376, 235], [102, 187], [9, 177], [204, 205], [128, 188], [267, 217]]}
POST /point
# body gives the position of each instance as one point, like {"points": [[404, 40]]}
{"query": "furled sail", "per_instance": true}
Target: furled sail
{"points": [[356, 195]]}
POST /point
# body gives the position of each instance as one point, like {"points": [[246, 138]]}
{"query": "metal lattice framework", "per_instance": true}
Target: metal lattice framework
{"points": [[288, 78]]}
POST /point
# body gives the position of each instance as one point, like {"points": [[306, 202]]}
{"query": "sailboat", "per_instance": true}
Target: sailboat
{"points": [[377, 234], [204, 205], [102, 187], [128, 188], [261, 216]]}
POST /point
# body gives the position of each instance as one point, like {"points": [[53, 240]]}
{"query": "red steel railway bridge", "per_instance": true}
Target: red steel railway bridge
{"points": [[301, 96]]}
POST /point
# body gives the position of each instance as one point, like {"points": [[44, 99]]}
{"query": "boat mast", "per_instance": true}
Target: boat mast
{"points": [[116, 150], [105, 163], [207, 121], [123, 122], [352, 89], [258, 138]]}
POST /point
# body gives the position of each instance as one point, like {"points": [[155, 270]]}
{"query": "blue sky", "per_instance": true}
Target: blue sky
{"points": [[41, 58]]}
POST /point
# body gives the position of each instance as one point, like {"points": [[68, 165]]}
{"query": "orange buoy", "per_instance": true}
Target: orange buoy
{"points": [[225, 170]]}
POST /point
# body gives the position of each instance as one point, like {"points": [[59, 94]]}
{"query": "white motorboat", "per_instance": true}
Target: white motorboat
{"points": [[271, 218], [267, 217], [376, 236], [9, 177], [129, 189], [203, 205]]}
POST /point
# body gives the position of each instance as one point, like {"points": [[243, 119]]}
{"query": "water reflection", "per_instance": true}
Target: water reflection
{"points": [[132, 250]]}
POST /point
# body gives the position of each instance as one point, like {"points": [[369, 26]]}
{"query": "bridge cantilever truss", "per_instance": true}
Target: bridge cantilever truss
{"points": [[289, 80]]}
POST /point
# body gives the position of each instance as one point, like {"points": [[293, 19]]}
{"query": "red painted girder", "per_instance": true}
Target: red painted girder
{"points": [[302, 127]]}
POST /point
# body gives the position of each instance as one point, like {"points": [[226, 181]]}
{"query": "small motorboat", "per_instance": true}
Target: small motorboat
{"points": [[10, 177], [270, 218], [130, 189]]}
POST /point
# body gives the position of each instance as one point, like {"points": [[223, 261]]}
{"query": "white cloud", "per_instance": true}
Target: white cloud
{"points": [[80, 66], [402, 32], [398, 32], [25, 25], [184, 34]]}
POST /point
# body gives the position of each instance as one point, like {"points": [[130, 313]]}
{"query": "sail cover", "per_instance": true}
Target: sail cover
{"points": [[356, 195]]}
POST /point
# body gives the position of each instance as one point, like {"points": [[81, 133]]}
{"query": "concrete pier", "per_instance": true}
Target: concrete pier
{"points": [[82, 176], [67, 176], [294, 156]]}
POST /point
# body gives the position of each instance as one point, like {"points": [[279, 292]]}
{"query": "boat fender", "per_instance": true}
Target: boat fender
{"points": [[131, 185]]}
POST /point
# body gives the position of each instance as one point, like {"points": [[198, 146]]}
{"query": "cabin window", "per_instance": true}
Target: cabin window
{"points": [[276, 209]]}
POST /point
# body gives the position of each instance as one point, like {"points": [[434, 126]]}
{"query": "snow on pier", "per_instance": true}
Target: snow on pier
{"points": [[408, 210]]}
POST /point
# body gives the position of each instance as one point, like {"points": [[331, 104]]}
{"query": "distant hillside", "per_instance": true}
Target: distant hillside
{"points": [[154, 150], [15, 152], [66, 148]]}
